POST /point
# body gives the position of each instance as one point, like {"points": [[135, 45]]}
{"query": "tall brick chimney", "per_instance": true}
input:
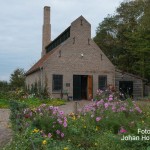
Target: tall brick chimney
{"points": [[46, 35]]}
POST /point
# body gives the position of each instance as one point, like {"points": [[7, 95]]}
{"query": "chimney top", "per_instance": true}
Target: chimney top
{"points": [[46, 29], [46, 7]]}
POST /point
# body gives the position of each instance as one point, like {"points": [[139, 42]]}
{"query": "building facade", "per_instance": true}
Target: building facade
{"points": [[72, 63]]}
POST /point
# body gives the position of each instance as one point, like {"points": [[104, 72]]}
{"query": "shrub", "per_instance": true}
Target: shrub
{"points": [[48, 119], [16, 115], [98, 126]]}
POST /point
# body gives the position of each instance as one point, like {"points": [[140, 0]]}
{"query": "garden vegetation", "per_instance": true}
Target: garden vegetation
{"points": [[98, 126]]}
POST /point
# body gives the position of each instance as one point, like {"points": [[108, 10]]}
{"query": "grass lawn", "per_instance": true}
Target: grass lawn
{"points": [[4, 103], [33, 102]]}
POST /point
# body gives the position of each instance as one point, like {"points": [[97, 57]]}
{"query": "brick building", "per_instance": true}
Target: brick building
{"points": [[72, 63]]}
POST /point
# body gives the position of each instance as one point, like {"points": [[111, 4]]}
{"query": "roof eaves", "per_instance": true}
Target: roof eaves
{"points": [[130, 74], [33, 71]]}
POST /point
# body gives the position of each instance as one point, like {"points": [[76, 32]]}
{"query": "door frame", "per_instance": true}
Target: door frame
{"points": [[89, 89]]}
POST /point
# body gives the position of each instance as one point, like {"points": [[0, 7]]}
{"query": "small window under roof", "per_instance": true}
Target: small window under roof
{"points": [[60, 39]]}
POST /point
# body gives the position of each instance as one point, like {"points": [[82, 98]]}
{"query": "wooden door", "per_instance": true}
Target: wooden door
{"points": [[90, 87]]}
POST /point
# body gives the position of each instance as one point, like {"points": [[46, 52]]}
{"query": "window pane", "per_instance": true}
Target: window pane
{"points": [[57, 82], [102, 82]]}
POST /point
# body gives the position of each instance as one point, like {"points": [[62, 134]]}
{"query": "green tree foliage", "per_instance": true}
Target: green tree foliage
{"points": [[4, 86], [17, 79], [124, 37]]}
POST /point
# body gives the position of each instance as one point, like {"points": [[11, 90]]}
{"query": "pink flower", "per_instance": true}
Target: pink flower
{"points": [[65, 124], [110, 98], [123, 108], [54, 112], [113, 108], [138, 109], [30, 114], [98, 119], [100, 102], [106, 105], [61, 113], [55, 108], [59, 121], [49, 135], [62, 135], [65, 119], [122, 130], [58, 132]]}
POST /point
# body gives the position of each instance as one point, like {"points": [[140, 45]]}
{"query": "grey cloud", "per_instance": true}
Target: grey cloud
{"points": [[21, 27]]}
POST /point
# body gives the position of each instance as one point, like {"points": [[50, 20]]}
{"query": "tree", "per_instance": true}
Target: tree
{"points": [[141, 44], [124, 37], [17, 79], [4, 86]]}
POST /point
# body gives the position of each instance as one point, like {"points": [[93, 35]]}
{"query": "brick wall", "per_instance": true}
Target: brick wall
{"points": [[94, 62]]}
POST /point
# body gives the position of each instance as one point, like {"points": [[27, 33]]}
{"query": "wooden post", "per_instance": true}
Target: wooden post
{"points": [[75, 107]]}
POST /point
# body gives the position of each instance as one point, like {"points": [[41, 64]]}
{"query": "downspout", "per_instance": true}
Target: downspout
{"points": [[41, 76]]}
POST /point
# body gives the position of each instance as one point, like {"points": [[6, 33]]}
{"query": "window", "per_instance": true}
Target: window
{"points": [[57, 82], [102, 82]]}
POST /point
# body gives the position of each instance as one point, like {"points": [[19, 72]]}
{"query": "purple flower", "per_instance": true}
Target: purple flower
{"points": [[123, 108], [113, 108], [49, 135], [30, 114], [101, 101], [98, 119], [138, 109], [61, 112], [58, 132], [65, 119], [54, 112], [62, 135], [59, 121], [55, 108], [65, 124], [131, 110], [106, 105], [110, 98]]}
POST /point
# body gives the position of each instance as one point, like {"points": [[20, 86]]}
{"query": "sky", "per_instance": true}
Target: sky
{"points": [[21, 27]]}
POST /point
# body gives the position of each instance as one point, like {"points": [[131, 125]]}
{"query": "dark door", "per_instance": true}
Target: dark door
{"points": [[76, 87], [84, 87], [126, 88], [80, 83]]}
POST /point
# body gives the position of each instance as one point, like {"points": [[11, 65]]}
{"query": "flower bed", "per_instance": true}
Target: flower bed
{"points": [[100, 125]]}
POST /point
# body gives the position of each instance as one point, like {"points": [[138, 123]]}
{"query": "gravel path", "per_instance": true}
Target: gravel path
{"points": [[5, 131]]}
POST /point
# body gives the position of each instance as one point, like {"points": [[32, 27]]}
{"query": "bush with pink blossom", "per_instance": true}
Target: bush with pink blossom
{"points": [[99, 125]]}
